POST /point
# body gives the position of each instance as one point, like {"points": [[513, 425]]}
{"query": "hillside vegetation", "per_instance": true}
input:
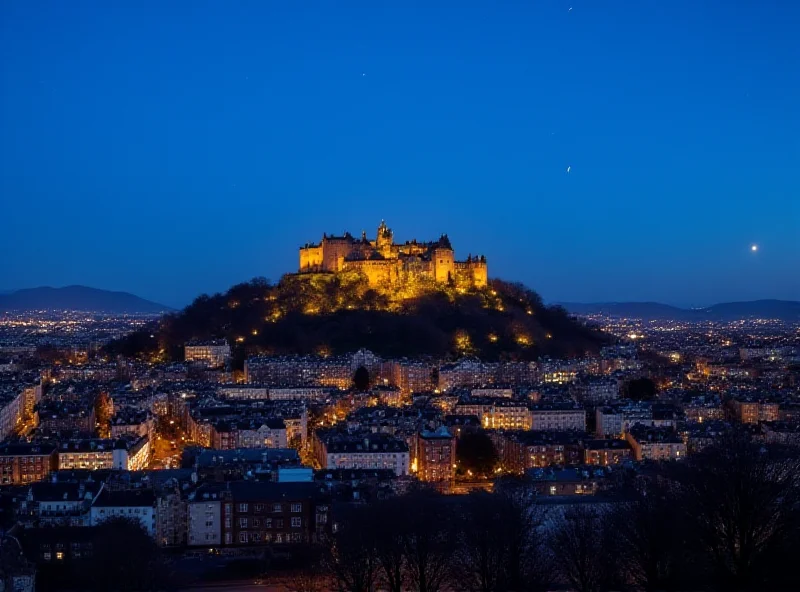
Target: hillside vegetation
{"points": [[338, 313]]}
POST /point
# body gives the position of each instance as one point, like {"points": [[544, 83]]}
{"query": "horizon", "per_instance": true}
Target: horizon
{"points": [[612, 152], [545, 300]]}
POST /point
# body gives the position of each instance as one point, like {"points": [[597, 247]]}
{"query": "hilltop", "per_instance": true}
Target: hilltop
{"points": [[78, 298], [332, 313]]}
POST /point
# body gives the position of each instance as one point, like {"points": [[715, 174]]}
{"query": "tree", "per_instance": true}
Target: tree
{"points": [[497, 544], [578, 546], [649, 539], [125, 557], [640, 389], [476, 453], [742, 501], [427, 544], [351, 554], [361, 379], [388, 542]]}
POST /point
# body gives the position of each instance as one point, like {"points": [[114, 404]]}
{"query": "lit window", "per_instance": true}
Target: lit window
{"points": [[297, 522], [59, 555], [297, 508]]}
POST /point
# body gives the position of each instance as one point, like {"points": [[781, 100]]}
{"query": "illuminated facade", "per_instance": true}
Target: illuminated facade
{"points": [[436, 456], [387, 263]]}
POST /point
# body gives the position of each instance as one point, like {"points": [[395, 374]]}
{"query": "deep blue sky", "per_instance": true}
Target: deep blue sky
{"points": [[173, 148]]}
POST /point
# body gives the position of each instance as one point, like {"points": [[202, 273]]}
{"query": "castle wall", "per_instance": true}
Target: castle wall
{"points": [[403, 262], [310, 258], [378, 273], [443, 265], [333, 253]]}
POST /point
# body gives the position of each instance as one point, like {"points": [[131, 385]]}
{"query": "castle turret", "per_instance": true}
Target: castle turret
{"points": [[443, 260], [384, 240]]}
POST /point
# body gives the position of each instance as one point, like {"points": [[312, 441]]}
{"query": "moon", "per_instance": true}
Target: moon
{"points": [[754, 248]]}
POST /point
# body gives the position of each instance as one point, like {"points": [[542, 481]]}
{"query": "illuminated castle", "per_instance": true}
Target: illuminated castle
{"points": [[386, 263]]}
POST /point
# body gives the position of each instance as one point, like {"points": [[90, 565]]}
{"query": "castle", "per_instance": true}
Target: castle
{"points": [[386, 263]]}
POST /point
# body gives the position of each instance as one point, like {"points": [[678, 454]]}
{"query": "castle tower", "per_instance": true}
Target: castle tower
{"points": [[384, 240], [443, 260]]}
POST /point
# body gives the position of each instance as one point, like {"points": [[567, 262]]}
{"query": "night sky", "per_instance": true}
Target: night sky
{"points": [[173, 148]]}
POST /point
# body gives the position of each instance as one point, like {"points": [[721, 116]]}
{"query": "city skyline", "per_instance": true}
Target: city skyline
{"points": [[612, 152]]}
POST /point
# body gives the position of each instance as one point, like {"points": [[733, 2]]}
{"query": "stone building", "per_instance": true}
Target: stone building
{"points": [[386, 263]]}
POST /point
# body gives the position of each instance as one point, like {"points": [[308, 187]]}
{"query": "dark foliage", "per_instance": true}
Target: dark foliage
{"points": [[475, 452], [361, 379], [340, 313], [725, 519], [640, 389]]}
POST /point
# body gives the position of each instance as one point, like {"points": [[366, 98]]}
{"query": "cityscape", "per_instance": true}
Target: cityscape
{"points": [[399, 297]]}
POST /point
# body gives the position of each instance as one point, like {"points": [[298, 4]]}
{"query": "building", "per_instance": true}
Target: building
{"points": [[386, 263], [754, 410], [436, 456], [655, 443], [250, 433], [67, 416], [273, 513], [557, 417], [606, 452], [204, 516], [26, 463], [131, 421], [135, 504], [126, 454], [51, 503], [210, 353], [338, 450], [523, 450]]}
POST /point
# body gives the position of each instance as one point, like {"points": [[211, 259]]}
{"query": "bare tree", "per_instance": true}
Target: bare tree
{"points": [[743, 502], [649, 542], [389, 534], [578, 548], [499, 541], [427, 540], [482, 552], [351, 554]]}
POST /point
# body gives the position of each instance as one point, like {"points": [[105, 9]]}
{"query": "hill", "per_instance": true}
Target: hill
{"points": [[337, 313], [80, 298], [785, 310]]}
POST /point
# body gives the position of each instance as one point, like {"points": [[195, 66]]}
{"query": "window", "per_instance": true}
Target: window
{"points": [[296, 537], [297, 508], [59, 555], [297, 522], [228, 522], [259, 507], [242, 522], [242, 537], [256, 537], [278, 538], [243, 507], [279, 523], [277, 508], [268, 523], [47, 556], [552, 490]]}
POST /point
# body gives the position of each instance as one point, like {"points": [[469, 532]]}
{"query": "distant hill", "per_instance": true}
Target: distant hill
{"points": [[78, 298], [785, 310], [339, 313]]}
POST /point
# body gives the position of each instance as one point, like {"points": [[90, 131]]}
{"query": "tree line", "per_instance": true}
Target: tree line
{"points": [[727, 519]]}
